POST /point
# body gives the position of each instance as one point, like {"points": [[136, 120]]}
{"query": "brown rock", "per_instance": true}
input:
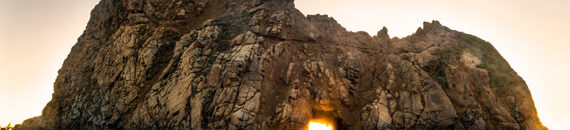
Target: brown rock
{"points": [[261, 64]]}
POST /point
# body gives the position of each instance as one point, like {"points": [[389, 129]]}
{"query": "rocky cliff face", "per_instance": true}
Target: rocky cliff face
{"points": [[261, 64]]}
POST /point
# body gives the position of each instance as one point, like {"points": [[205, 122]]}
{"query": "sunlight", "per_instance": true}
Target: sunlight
{"points": [[320, 125]]}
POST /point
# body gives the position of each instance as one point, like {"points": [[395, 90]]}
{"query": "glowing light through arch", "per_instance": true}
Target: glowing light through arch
{"points": [[320, 125]]}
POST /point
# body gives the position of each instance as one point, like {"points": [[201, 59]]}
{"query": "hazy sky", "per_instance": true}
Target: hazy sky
{"points": [[37, 35], [35, 38]]}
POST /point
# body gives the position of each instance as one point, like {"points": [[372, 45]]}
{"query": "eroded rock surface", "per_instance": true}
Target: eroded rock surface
{"points": [[262, 64]]}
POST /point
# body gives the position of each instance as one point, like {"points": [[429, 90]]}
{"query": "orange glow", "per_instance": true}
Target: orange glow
{"points": [[320, 125]]}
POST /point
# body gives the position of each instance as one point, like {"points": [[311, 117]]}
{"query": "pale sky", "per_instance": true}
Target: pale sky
{"points": [[37, 35], [35, 38]]}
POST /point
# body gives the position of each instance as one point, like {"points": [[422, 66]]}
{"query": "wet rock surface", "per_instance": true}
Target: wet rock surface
{"points": [[262, 64]]}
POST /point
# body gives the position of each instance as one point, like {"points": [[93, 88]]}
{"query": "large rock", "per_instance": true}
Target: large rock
{"points": [[261, 64]]}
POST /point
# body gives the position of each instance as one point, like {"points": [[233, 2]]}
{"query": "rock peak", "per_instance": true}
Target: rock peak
{"points": [[383, 35], [383, 31], [433, 25]]}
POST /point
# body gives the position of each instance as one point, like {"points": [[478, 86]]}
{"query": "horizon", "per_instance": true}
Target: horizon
{"points": [[534, 42]]}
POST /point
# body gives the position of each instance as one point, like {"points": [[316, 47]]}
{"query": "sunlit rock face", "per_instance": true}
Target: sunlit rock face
{"points": [[262, 64]]}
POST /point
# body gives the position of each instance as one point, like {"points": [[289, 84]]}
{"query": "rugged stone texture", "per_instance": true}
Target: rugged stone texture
{"points": [[261, 64]]}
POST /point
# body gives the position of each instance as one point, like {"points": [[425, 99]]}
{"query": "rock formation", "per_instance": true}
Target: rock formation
{"points": [[262, 64]]}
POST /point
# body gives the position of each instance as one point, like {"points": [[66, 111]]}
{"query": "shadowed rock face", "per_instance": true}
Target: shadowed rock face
{"points": [[261, 64]]}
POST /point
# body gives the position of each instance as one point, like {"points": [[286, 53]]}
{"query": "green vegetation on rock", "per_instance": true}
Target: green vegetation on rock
{"points": [[232, 25], [500, 74]]}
